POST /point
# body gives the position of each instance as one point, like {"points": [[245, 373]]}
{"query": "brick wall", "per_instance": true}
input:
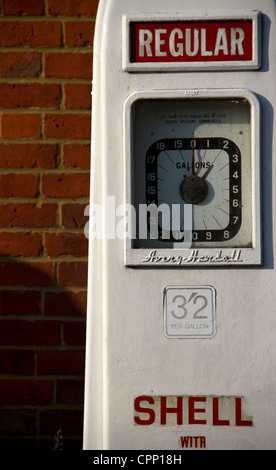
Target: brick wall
{"points": [[46, 51]]}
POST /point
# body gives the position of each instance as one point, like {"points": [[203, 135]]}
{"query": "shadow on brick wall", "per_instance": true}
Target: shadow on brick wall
{"points": [[42, 348]]}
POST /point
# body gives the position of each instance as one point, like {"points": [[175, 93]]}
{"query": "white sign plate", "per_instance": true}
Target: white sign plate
{"points": [[189, 312]]}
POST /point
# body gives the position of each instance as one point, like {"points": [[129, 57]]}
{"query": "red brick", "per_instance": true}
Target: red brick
{"points": [[70, 421], [79, 33], [69, 8], [20, 64], [26, 392], [22, 7], [27, 274], [18, 185], [60, 362], [73, 215], [29, 333], [68, 64], [30, 33], [65, 185], [17, 362], [72, 273], [74, 333], [76, 155], [14, 302], [70, 391], [20, 244], [77, 95], [20, 125], [65, 303], [67, 126], [26, 95], [28, 215], [28, 155], [66, 243], [17, 422]]}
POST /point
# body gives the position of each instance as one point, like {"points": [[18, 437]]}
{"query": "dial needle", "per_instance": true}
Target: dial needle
{"points": [[207, 172], [193, 157]]}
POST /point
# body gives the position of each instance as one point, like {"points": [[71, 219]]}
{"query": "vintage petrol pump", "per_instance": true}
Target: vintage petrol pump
{"points": [[181, 293]]}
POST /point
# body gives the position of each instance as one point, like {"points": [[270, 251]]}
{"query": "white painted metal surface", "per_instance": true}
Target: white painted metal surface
{"points": [[145, 390]]}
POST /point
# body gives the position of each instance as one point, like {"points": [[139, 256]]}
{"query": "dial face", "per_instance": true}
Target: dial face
{"points": [[203, 172], [192, 161]]}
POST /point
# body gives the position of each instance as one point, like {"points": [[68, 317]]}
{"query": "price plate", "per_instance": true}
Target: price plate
{"points": [[189, 312]]}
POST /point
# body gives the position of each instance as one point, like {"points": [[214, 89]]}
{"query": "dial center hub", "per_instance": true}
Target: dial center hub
{"points": [[193, 189]]}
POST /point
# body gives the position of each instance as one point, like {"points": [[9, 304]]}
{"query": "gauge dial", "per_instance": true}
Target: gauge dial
{"points": [[194, 155], [204, 172]]}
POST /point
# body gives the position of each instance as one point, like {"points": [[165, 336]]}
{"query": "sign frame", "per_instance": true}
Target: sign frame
{"points": [[129, 66]]}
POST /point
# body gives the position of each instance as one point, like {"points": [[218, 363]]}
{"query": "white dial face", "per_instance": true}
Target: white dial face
{"points": [[194, 154], [212, 208]]}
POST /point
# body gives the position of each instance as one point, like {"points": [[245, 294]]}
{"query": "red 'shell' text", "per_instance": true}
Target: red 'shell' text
{"points": [[179, 410]]}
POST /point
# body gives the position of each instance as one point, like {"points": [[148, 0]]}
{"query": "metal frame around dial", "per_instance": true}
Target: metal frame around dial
{"points": [[182, 255]]}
